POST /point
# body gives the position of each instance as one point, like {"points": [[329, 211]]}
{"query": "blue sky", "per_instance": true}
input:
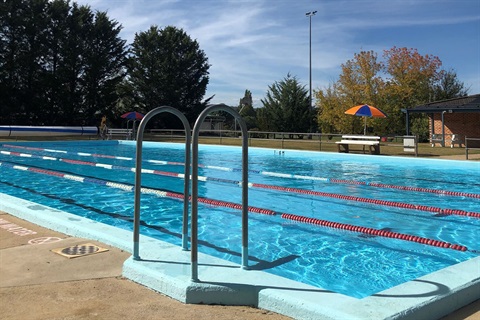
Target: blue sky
{"points": [[250, 44]]}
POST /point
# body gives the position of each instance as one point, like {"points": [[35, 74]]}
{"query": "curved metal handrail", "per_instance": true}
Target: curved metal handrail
{"points": [[194, 216], [138, 177]]}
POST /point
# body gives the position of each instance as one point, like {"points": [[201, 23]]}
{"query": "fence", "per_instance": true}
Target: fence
{"points": [[286, 140], [471, 144]]}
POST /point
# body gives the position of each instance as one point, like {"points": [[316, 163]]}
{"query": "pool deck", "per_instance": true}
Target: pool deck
{"points": [[166, 268]]}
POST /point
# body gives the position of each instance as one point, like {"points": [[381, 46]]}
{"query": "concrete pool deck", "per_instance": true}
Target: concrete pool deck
{"points": [[166, 268]]}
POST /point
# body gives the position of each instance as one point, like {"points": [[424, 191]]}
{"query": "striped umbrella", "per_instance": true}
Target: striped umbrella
{"points": [[132, 115], [365, 110]]}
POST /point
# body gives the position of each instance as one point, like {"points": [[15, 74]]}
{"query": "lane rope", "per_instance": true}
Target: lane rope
{"points": [[227, 204], [437, 210], [272, 174]]}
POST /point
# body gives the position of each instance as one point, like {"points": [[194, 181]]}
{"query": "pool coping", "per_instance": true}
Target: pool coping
{"points": [[166, 268]]}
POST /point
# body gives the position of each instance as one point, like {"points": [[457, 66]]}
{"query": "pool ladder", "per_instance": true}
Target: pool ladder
{"points": [[194, 177]]}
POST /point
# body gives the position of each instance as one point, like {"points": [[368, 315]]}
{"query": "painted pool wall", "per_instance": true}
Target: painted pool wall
{"points": [[44, 131]]}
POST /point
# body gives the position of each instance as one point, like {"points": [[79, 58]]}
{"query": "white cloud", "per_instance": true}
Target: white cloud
{"points": [[251, 44]]}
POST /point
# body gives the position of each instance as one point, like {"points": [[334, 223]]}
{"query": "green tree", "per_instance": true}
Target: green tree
{"points": [[59, 64], [22, 52], [168, 68], [68, 107], [55, 90], [287, 106], [448, 86], [263, 122], [105, 66], [246, 110]]}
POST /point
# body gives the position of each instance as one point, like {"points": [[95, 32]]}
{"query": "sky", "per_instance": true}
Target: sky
{"points": [[251, 44]]}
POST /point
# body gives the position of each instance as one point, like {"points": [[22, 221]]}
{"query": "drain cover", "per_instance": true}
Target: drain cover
{"points": [[79, 250]]}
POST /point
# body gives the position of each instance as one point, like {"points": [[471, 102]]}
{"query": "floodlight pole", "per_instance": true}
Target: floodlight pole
{"points": [[309, 15]]}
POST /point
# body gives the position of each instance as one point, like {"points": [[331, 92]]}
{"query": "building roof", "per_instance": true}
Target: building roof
{"points": [[462, 104]]}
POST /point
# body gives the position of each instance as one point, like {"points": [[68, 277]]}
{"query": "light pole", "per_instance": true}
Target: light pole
{"points": [[310, 14]]}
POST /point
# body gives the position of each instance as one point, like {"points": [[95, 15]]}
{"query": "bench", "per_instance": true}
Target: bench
{"points": [[438, 138], [455, 139], [126, 133], [373, 143]]}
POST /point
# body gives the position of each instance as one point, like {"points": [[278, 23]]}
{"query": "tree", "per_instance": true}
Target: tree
{"points": [[246, 110], [59, 64], [359, 83], [68, 107], [412, 77], [168, 68], [105, 66], [331, 117], [287, 107], [22, 49], [448, 86]]}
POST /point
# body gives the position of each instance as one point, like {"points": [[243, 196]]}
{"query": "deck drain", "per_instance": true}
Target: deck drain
{"points": [[79, 250]]}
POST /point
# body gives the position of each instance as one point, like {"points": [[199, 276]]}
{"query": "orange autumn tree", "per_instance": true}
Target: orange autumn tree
{"points": [[359, 83], [404, 78], [411, 83]]}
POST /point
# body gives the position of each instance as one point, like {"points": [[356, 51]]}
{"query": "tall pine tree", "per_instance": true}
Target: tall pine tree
{"points": [[286, 107]]}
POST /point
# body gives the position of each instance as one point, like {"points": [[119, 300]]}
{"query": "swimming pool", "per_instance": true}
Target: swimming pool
{"points": [[422, 199]]}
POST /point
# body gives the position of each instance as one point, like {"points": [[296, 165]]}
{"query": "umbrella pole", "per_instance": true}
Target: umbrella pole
{"points": [[365, 127]]}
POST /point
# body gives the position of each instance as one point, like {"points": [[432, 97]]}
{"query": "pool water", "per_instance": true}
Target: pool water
{"points": [[352, 263]]}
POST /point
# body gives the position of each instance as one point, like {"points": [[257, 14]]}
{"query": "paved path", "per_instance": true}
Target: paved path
{"points": [[37, 283]]}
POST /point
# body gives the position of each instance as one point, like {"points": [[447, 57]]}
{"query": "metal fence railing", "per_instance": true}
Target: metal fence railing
{"points": [[471, 144], [288, 140]]}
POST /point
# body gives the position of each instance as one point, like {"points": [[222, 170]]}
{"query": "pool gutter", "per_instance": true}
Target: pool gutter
{"points": [[166, 268]]}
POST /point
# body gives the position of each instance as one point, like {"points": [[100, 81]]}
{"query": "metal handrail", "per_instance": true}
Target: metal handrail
{"points": [[138, 175], [194, 216]]}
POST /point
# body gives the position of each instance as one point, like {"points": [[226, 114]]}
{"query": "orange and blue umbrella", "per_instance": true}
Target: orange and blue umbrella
{"points": [[365, 110]]}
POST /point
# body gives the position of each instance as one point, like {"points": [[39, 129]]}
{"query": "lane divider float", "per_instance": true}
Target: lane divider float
{"points": [[273, 174], [437, 210], [227, 204]]}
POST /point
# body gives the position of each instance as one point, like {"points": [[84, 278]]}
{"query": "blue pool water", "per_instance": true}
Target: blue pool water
{"points": [[347, 262]]}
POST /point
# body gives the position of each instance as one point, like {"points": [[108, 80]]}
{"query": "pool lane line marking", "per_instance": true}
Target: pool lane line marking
{"points": [[266, 173], [437, 210], [227, 204]]}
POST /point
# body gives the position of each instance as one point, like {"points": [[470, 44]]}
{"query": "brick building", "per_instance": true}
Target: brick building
{"points": [[454, 118]]}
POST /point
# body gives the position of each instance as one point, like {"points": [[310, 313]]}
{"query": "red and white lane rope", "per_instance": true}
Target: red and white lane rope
{"points": [[227, 204], [372, 201], [437, 210], [272, 174]]}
